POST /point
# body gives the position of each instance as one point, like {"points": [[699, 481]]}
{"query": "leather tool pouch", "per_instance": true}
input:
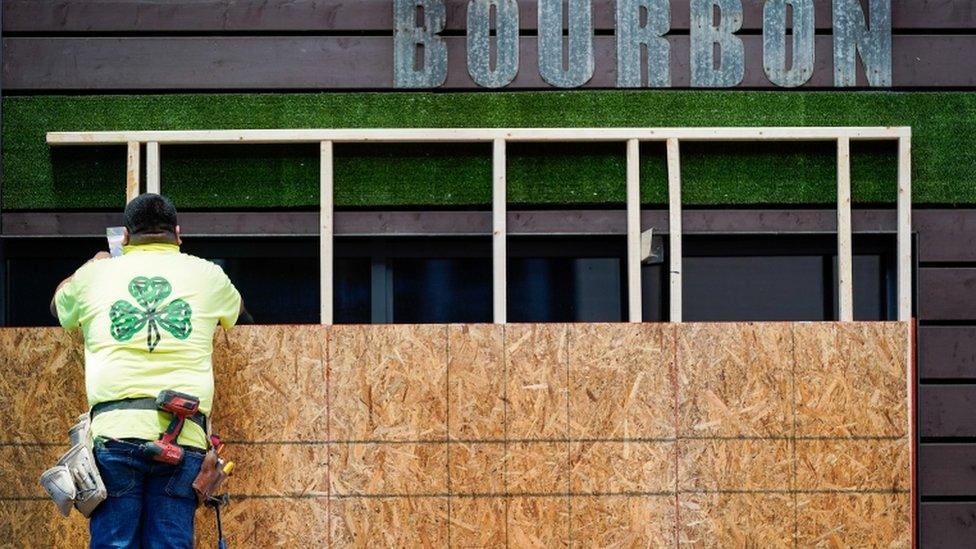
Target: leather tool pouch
{"points": [[209, 478]]}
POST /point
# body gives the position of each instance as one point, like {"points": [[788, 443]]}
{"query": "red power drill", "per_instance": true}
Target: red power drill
{"points": [[182, 406]]}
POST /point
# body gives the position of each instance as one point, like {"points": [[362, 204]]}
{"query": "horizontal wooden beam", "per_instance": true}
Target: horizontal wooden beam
{"points": [[946, 411], [460, 223], [947, 293], [366, 62], [474, 135], [947, 352], [87, 16]]}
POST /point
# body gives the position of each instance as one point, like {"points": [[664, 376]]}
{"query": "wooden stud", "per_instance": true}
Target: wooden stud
{"points": [[904, 229], [845, 259], [152, 167], [471, 135], [133, 167], [674, 222], [633, 232], [499, 249], [326, 231]]}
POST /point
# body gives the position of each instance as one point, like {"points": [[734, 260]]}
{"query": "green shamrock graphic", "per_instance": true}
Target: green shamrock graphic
{"points": [[128, 320]]}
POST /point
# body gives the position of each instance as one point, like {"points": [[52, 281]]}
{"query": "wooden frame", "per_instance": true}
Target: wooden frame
{"points": [[632, 137]]}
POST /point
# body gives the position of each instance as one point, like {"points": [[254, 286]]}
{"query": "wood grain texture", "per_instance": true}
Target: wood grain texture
{"points": [[537, 390], [476, 372], [388, 522], [40, 370], [941, 291], [735, 379], [621, 381], [270, 364], [851, 379], [87, 16], [622, 467], [947, 352], [388, 383], [736, 520], [640, 521], [537, 435], [366, 62], [859, 520]]}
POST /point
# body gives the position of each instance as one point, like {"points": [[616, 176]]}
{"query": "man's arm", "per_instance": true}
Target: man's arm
{"points": [[54, 306]]}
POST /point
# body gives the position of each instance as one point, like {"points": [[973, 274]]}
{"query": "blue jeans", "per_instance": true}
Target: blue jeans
{"points": [[150, 504]]}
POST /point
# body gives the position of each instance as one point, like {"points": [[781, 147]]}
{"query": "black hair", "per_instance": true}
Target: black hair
{"points": [[150, 214]]}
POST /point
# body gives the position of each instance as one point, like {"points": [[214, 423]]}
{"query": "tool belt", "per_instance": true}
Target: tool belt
{"points": [[75, 481], [144, 403]]}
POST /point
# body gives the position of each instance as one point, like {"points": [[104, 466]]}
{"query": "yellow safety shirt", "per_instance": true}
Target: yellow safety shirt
{"points": [[148, 319]]}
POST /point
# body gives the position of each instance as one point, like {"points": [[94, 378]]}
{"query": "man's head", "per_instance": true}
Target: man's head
{"points": [[151, 218]]}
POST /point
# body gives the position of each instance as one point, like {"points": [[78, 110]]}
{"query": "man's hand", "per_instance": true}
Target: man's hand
{"points": [[101, 255]]}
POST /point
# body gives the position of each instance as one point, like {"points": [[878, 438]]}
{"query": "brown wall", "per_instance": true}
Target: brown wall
{"points": [[347, 44]]}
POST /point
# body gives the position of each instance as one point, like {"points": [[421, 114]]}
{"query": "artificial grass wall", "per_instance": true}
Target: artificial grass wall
{"points": [[39, 177]]}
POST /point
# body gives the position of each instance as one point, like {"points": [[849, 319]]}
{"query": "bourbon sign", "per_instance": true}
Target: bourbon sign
{"points": [[717, 55]]}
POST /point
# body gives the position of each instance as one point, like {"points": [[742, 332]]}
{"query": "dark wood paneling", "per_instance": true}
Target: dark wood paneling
{"points": [[947, 352], [459, 223], [947, 294], [366, 62], [946, 235], [947, 469], [358, 15], [947, 525], [947, 410]]}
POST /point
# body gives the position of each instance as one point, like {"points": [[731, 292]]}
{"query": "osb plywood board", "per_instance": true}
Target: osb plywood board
{"points": [[21, 467], [851, 378], [37, 523], [736, 519], [622, 521], [389, 522], [42, 388], [527, 435], [622, 467], [267, 522], [537, 388], [621, 381], [270, 383], [854, 520], [478, 522], [388, 383], [300, 469], [538, 521], [388, 469], [735, 379], [727, 464], [476, 374]]}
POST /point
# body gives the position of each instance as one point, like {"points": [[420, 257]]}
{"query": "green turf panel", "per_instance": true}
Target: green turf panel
{"points": [[450, 175]]}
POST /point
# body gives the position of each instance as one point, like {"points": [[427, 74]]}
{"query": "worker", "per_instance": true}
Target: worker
{"points": [[148, 319]]}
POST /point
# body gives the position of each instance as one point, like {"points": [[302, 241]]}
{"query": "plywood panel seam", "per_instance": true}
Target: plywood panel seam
{"points": [[796, 518], [677, 427], [447, 421]]}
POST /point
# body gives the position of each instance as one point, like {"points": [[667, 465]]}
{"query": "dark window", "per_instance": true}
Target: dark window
{"points": [[550, 279]]}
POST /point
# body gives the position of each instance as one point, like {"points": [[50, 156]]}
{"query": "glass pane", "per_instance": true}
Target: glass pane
{"points": [[565, 289], [441, 290]]}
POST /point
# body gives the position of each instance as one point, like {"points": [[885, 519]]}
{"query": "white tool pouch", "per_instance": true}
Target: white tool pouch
{"points": [[75, 479]]}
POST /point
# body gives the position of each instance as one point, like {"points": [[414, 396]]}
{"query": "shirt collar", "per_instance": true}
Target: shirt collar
{"points": [[155, 247]]}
